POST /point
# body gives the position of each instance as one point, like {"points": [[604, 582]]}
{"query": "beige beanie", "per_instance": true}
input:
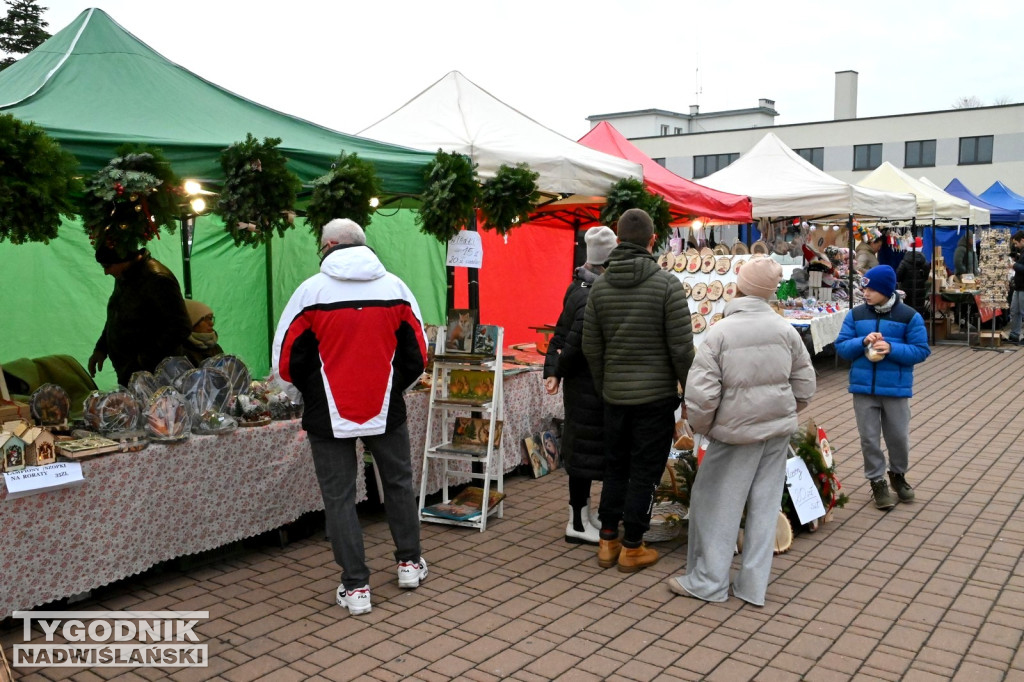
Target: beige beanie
{"points": [[760, 276], [600, 243], [197, 310]]}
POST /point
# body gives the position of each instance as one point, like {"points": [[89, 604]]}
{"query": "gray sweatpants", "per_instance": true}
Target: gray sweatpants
{"points": [[878, 417], [729, 478]]}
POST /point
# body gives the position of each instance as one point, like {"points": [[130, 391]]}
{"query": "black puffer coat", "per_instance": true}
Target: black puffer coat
{"points": [[583, 435], [912, 275], [146, 319]]}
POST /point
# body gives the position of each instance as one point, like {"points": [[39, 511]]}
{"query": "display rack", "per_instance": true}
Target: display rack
{"points": [[459, 462]]}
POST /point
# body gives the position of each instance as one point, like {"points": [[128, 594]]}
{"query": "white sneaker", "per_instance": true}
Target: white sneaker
{"points": [[357, 601], [410, 573]]}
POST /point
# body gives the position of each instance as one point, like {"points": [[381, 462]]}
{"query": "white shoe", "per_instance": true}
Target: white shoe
{"points": [[357, 601], [590, 535], [410, 573]]}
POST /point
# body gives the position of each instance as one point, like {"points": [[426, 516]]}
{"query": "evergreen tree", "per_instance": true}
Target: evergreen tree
{"points": [[21, 30]]}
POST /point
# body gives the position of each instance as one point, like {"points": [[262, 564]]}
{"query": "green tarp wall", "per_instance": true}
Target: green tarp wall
{"points": [[54, 295]]}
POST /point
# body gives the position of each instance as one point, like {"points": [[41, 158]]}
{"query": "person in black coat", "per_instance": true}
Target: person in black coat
{"points": [[583, 438], [913, 277]]}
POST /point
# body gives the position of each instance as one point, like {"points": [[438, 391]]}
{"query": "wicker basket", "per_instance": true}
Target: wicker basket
{"points": [[667, 522]]}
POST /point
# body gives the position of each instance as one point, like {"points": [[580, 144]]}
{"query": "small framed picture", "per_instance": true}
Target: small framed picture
{"points": [[485, 340], [539, 464], [460, 330]]}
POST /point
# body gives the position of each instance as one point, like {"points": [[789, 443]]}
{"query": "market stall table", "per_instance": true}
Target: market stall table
{"points": [[136, 510]]}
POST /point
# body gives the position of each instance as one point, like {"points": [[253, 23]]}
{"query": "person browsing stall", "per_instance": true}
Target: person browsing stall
{"points": [[351, 341], [749, 379], [583, 448]]}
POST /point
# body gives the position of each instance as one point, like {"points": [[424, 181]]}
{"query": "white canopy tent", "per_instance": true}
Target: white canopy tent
{"points": [[780, 183], [978, 216], [932, 203], [456, 115]]}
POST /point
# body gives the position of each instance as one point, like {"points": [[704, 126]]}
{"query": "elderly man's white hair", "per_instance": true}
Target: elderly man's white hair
{"points": [[342, 231]]}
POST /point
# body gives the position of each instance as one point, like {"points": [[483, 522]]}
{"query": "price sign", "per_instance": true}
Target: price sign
{"points": [[802, 491], [35, 480], [465, 250]]}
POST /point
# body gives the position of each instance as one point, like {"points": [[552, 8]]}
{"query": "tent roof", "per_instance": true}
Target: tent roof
{"points": [[1001, 195], [980, 215], [997, 214], [685, 197], [456, 115], [94, 86], [932, 202], [781, 183]]}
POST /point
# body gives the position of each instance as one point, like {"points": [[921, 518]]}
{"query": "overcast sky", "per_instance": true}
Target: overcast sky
{"points": [[346, 64]]}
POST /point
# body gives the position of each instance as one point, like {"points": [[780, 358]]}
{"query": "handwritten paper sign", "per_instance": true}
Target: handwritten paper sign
{"points": [[36, 480], [802, 491], [465, 250]]}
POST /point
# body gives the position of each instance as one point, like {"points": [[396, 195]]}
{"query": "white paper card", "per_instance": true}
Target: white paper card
{"points": [[465, 250], [802, 491], [35, 480]]}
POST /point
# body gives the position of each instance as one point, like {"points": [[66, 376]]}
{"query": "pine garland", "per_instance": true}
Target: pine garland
{"points": [[344, 192], [507, 199], [129, 200], [805, 444], [37, 179], [259, 191], [631, 193], [449, 195]]}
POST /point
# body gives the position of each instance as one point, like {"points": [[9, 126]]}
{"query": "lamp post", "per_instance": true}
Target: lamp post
{"points": [[196, 206]]}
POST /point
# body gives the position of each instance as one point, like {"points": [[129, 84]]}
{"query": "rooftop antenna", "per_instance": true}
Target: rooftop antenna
{"points": [[699, 87]]}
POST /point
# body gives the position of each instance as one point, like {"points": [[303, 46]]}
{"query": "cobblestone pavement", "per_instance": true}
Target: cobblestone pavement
{"points": [[932, 590]]}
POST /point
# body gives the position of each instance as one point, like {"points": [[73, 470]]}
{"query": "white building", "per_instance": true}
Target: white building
{"points": [[978, 145]]}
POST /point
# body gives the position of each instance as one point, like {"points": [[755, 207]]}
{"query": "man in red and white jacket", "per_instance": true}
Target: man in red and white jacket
{"points": [[351, 341]]}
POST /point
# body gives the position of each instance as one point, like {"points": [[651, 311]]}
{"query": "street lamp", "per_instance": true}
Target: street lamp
{"points": [[196, 206]]}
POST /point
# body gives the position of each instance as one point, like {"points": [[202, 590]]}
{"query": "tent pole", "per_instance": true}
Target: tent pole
{"points": [[269, 273], [187, 232], [850, 259], [473, 274]]}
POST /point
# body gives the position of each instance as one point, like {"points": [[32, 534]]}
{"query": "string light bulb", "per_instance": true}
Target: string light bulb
{"points": [[192, 187], [198, 205]]}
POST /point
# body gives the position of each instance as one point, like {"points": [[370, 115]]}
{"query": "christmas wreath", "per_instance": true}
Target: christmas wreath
{"points": [[344, 192], [507, 199], [129, 200], [259, 191], [631, 193], [36, 182], [821, 467], [449, 195]]}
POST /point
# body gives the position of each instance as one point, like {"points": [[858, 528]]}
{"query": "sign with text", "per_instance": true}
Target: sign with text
{"points": [[35, 480], [802, 491], [465, 250]]}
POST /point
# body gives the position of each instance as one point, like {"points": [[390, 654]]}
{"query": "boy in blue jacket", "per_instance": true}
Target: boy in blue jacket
{"points": [[883, 338]]}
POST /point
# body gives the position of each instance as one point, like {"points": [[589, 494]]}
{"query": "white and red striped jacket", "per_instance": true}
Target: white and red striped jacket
{"points": [[351, 340]]}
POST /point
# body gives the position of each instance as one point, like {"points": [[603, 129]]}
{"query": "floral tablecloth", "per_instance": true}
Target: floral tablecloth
{"points": [[138, 509]]}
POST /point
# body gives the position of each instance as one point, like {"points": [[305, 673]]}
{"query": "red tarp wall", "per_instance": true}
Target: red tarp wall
{"points": [[523, 282]]}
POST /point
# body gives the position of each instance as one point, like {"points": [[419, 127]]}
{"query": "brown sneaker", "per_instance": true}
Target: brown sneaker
{"points": [[634, 558], [608, 553]]}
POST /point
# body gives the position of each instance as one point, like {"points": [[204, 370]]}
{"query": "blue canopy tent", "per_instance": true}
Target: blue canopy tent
{"points": [[1004, 197], [1000, 214]]}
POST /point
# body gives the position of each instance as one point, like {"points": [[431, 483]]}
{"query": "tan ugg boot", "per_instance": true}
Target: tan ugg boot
{"points": [[608, 553], [632, 559]]}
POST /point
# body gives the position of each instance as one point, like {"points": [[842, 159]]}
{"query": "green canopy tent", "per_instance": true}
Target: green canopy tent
{"points": [[93, 87]]}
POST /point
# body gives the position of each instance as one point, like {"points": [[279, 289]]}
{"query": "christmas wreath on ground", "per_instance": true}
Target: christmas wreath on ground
{"points": [[129, 200], [37, 179], [818, 457], [259, 191]]}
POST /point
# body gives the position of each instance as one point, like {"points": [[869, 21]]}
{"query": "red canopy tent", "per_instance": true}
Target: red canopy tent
{"points": [[525, 276], [687, 200]]}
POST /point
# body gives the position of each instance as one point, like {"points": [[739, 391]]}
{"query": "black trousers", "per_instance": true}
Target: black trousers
{"points": [[638, 439]]}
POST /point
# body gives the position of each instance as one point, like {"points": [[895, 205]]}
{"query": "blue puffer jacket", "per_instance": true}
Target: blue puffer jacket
{"points": [[893, 376]]}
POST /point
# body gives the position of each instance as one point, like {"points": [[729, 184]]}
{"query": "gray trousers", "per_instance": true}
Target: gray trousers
{"points": [[878, 417], [729, 478], [1016, 311], [337, 470]]}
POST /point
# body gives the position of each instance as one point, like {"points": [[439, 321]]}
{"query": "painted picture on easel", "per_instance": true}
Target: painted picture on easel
{"points": [[461, 327]]}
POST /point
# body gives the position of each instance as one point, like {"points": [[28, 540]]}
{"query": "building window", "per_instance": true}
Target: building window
{"points": [[919, 154], [975, 150], [867, 156], [813, 155], [660, 161], [679, 131], [706, 165], [664, 129]]}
